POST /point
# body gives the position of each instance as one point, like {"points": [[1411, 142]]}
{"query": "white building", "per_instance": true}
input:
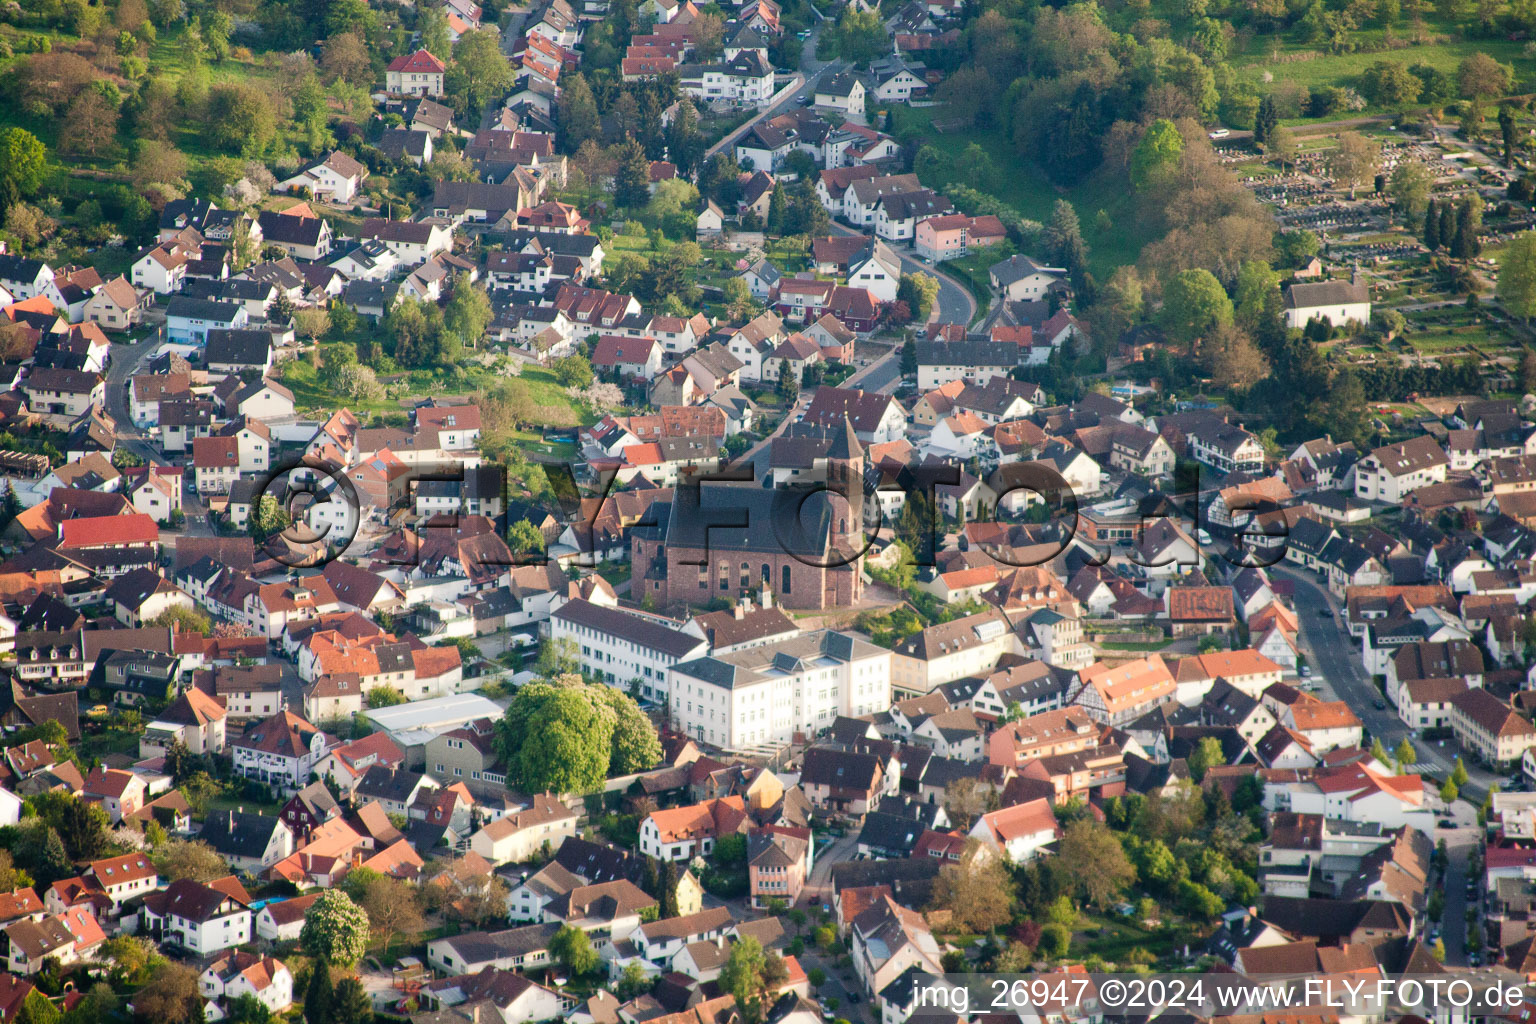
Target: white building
{"points": [[240, 974], [762, 696], [201, 919], [1392, 472], [619, 647], [1337, 302]]}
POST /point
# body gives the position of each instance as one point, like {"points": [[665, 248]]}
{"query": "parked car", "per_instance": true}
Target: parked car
{"points": [[1380, 704], [1220, 133]]}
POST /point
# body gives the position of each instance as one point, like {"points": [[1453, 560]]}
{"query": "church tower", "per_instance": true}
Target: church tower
{"points": [[845, 476]]}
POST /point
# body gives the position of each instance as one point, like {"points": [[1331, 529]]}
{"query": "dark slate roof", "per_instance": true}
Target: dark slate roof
{"points": [[236, 834]]}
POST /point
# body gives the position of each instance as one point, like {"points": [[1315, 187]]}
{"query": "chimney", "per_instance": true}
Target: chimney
{"points": [[739, 610], [475, 1015]]}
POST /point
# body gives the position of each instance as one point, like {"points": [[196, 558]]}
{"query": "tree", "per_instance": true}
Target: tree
{"points": [[739, 306], [977, 891], [918, 291], [385, 697], [170, 997], [742, 975], [268, 518], [320, 995], [393, 906], [1465, 244], [176, 859], [1432, 226], [247, 1008], [1157, 154], [1449, 791], [1354, 160], [335, 929], [240, 119], [1517, 276], [1459, 773], [1409, 188], [12, 877], [524, 538], [572, 949], [1390, 84], [23, 160], [346, 59], [1404, 755], [313, 322], [89, 125], [573, 371], [1063, 238], [557, 738], [474, 898], [1480, 77], [351, 1003], [1193, 303], [468, 312], [37, 1008], [183, 620], [909, 358], [1508, 132], [480, 73], [1266, 120], [1232, 358], [1055, 940], [1207, 753], [788, 386], [82, 827], [634, 745], [632, 182], [577, 113], [1093, 855]]}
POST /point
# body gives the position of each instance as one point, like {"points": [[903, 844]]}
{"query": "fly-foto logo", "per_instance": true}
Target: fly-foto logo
{"points": [[830, 516]]}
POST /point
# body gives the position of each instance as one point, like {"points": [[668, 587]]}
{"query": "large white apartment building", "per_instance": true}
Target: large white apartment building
{"points": [[619, 647], [762, 696]]}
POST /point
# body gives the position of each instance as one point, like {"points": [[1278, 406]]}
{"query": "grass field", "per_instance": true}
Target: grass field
{"points": [[1311, 65], [1023, 187]]}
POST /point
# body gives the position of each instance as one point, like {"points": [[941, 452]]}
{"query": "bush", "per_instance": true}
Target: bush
{"points": [[1055, 940]]}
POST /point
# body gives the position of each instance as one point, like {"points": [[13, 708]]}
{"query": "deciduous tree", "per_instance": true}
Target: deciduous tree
{"points": [[976, 891], [335, 929], [1094, 857], [1194, 303]]}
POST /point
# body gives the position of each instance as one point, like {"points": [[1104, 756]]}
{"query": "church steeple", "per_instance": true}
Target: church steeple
{"points": [[845, 475]]}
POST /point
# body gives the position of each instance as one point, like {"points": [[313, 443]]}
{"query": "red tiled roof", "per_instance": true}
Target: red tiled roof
{"points": [[107, 531]]}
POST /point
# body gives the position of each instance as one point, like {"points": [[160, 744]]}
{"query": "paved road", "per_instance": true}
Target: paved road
{"points": [[810, 73], [1335, 656], [954, 305], [126, 361], [1459, 844], [881, 375]]}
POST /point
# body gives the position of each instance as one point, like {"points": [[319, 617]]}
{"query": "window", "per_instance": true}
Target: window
{"points": [[784, 584]]}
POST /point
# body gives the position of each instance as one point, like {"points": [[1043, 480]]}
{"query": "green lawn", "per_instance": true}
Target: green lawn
{"points": [[1025, 188], [1310, 64], [1117, 937]]}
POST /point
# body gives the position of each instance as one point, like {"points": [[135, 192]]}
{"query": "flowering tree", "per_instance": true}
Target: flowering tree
{"points": [[335, 929]]}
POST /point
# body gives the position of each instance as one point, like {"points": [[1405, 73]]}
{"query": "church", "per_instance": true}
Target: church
{"points": [[804, 542]]}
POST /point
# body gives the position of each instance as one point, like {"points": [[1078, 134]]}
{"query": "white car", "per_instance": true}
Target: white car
{"points": [[1220, 133]]}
